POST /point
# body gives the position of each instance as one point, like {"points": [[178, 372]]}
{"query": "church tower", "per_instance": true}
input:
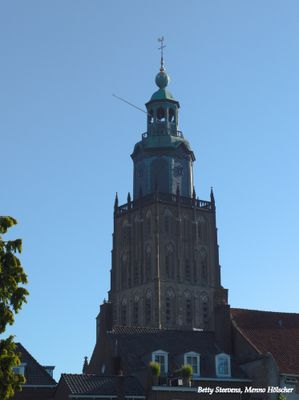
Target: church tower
{"points": [[165, 266]]}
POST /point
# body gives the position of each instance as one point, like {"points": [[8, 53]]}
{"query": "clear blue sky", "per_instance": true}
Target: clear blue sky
{"points": [[66, 144]]}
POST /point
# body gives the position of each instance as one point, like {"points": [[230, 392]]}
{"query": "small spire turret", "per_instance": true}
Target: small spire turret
{"points": [[116, 202], [85, 365], [129, 201], [194, 193], [212, 196]]}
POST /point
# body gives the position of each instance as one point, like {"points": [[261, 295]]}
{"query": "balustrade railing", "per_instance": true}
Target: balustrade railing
{"points": [[163, 132], [164, 198]]}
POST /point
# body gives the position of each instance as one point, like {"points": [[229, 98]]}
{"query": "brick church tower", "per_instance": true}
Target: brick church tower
{"points": [[166, 303], [165, 265]]}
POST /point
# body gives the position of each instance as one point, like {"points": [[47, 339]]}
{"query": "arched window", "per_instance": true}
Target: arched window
{"points": [[205, 309], [169, 261], [199, 230], [148, 223], [148, 264], [136, 310], [202, 229], [135, 272], [222, 365], [129, 275], [193, 359], [126, 233], [148, 307], [123, 312], [170, 306], [187, 229], [167, 221], [124, 271], [188, 308], [161, 357], [161, 115], [160, 175], [171, 115], [187, 270], [194, 271], [204, 265], [150, 116]]}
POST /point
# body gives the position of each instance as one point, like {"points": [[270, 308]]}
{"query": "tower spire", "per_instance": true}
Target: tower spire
{"points": [[161, 40]]}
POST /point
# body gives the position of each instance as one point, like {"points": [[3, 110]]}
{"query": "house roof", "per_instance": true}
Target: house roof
{"points": [[35, 373], [136, 345], [89, 384], [274, 332]]}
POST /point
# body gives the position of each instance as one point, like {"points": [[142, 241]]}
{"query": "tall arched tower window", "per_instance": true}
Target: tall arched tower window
{"points": [[160, 175], [169, 261], [188, 308], [148, 264], [204, 265], [136, 310], [124, 271], [135, 272], [167, 221], [202, 229], [187, 270], [148, 307], [171, 115], [123, 311], [148, 223], [170, 306], [150, 116], [187, 229], [204, 298], [126, 231], [161, 115]]}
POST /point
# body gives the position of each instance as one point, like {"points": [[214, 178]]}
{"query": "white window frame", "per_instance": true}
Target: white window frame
{"points": [[197, 356], [218, 359], [161, 353]]}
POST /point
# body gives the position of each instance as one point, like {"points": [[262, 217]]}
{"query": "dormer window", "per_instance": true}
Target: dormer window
{"points": [[161, 357], [222, 363], [193, 359], [20, 369]]}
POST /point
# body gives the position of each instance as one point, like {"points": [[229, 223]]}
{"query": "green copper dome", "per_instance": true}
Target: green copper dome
{"points": [[162, 94]]}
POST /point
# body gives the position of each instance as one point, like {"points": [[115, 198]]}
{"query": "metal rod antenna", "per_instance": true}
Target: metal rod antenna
{"points": [[125, 101]]}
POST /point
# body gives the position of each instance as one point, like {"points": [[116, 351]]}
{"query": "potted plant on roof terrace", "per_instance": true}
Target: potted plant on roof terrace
{"points": [[155, 370], [186, 372]]}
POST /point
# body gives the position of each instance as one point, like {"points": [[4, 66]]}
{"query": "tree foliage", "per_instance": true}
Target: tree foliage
{"points": [[12, 296], [282, 397]]}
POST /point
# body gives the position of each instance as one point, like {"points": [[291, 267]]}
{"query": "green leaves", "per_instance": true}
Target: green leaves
{"points": [[5, 223], [155, 368], [9, 381], [12, 297]]}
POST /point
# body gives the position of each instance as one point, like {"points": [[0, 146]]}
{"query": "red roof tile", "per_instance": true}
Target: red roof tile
{"points": [[274, 332], [90, 384]]}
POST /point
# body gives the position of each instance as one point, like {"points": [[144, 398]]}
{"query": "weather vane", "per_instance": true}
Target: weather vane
{"points": [[161, 40]]}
